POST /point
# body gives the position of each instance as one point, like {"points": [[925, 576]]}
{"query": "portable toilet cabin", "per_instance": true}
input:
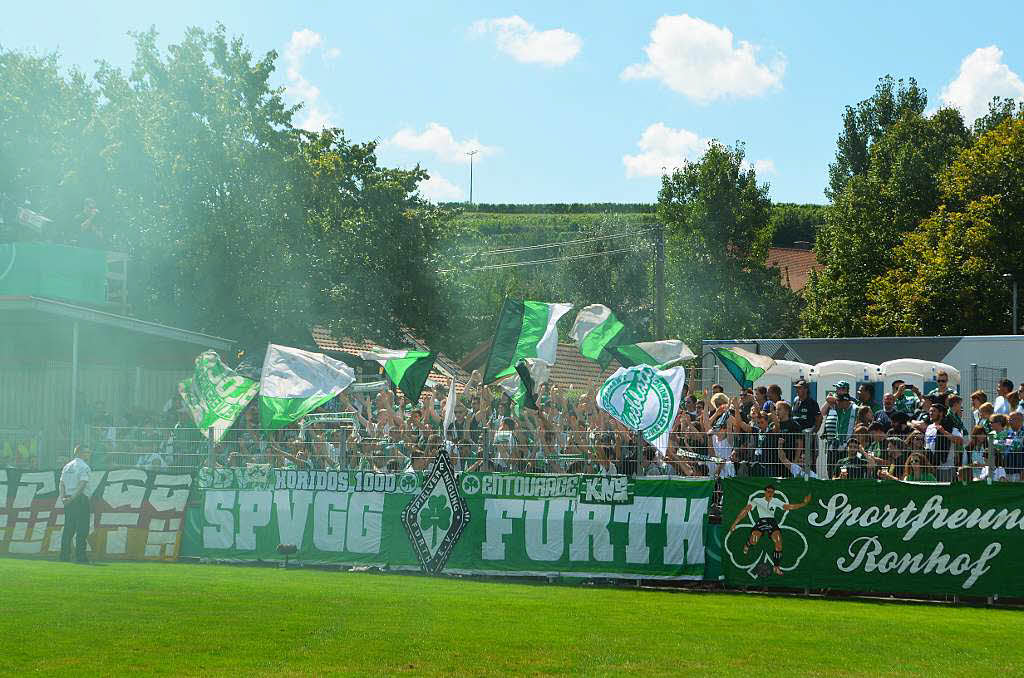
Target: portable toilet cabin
{"points": [[853, 371], [786, 373], [920, 373]]}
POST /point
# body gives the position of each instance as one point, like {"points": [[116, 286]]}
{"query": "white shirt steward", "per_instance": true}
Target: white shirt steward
{"points": [[74, 480]]}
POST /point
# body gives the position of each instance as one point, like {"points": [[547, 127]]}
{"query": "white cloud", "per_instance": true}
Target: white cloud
{"points": [[663, 149], [298, 88], [439, 140], [762, 166], [698, 59], [439, 189], [982, 76], [519, 39]]}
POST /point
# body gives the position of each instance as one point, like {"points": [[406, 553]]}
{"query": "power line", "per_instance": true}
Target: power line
{"points": [[537, 262], [580, 241]]}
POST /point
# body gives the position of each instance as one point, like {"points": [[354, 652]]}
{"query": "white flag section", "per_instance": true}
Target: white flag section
{"points": [[449, 410], [296, 382], [644, 399]]}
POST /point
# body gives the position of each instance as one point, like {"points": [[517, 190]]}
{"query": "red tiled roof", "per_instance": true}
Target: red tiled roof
{"points": [[794, 264], [570, 369], [444, 367]]}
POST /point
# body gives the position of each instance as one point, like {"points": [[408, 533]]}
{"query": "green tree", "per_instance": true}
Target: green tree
{"points": [[717, 221], [876, 208], [866, 123], [792, 223], [947, 274], [237, 223]]}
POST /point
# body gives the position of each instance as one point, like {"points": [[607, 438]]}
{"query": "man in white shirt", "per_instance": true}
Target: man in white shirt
{"points": [[74, 490], [1002, 404]]}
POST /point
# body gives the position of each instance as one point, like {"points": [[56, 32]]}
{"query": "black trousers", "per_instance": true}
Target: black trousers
{"points": [[76, 526]]}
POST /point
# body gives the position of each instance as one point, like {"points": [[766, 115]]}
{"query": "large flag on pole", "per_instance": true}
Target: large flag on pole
{"points": [[744, 366], [215, 395], [408, 370], [526, 329], [644, 399], [295, 382], [652, 352], [595, 331]]}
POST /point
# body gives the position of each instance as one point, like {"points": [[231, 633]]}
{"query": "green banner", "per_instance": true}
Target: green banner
{"points": [[215, 394], [866, 536], [520, 523]]}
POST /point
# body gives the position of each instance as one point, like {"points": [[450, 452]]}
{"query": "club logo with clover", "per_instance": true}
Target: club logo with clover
{"points": [[756, 559], [436, 518]]}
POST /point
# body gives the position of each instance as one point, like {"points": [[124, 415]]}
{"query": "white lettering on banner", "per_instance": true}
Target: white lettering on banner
{"points": [[684, 528], [365, 518], [292, 513], [170, 492], [865, 552], [551, 546], [253, 512], [498, 517], [840, 513], [40, 482], [590, 528], [643, 511], [330, 513], [610, 488], [125, 488], [220, 533]]}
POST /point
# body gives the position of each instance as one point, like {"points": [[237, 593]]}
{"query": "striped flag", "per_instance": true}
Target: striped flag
{"points": [[652, 353], [595, 331], [408, 370], [526, 329], [744, 366], [295, 382]]}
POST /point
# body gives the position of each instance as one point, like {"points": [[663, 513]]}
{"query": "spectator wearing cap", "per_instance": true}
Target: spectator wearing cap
{"points": [[942, 389], [1002, 403], [840, 420], [806, 411]]}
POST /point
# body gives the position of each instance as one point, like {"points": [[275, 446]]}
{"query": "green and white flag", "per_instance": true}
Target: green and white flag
{"points": [[595, 331], [215, 395], [408, 370], [522, 387], [652, 353], [744, 366], [526, 329], [644, 399], [296, 382]]}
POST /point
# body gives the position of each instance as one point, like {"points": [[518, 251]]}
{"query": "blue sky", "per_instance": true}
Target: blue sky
{"points": [[578, 102]]}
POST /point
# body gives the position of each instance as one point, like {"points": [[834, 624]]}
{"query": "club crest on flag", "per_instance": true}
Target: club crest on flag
{"points": [[437, 517], [641, 399]]}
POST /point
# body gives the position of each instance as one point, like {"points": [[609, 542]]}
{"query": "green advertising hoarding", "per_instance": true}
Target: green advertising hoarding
{"points": [[519, 524], [874, 536]]}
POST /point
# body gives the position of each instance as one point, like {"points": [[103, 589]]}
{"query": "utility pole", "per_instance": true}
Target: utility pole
{"points": [[659, 282], [471, 154]]}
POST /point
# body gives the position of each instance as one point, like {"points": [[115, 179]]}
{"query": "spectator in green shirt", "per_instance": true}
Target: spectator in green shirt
{"points": [[940, 393], [905, 396]]}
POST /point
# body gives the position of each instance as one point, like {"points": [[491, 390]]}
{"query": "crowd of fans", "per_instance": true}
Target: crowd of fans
{"points": [[910, 435]]}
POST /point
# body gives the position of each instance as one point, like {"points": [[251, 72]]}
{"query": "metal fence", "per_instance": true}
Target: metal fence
{"points": [[719, 453]]}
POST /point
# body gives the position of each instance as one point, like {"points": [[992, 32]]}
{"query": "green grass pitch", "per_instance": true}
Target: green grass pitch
{"points": [[201, 620]]}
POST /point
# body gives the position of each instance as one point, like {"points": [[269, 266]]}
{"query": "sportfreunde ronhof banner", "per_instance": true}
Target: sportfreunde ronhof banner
{"points": [[540, 525], [865, 535]]}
